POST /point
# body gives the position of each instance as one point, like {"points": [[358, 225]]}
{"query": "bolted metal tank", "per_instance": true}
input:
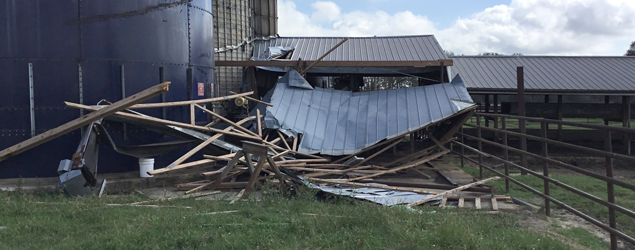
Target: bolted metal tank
{"points": [[84, 51]]}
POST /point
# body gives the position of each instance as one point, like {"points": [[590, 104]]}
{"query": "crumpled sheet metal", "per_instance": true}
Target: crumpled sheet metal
{"points": [[335, 122], [377, 195]]}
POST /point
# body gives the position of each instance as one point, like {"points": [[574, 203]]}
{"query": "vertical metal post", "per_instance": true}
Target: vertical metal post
{"points": [[162, 80], [81, 87], [480, 146], [31, 100], [123, 95], [521, 112], [505, 153], [545, 167], [608, 147]]}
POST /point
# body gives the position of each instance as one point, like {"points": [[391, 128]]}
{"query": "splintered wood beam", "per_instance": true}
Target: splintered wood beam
{"points": [[185, 103], [379, 152], [283, 140], [323, 56], [452, 191], [411, 156], [437, 142], [173, 165], [258, 122], [365, 150], [241, 128], [166, 122], [182, 166], [393, 170], [84, 120], [192, 114], [313, 175]]}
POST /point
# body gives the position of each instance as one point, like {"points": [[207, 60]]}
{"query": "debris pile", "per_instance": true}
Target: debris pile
{"points": [[382, 146]]}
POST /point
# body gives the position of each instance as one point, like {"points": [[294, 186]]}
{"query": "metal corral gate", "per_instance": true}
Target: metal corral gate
{"points": [[544, 157]]}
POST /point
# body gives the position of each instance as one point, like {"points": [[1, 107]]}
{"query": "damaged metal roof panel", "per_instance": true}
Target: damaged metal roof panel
{"points": [[394, 48], [335, 122], [547, 73]]}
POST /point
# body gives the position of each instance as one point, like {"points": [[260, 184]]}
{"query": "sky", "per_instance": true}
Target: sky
{"points": [[470, 27]]}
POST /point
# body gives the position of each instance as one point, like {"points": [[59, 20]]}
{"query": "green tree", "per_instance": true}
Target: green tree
{"points": [[631, 50]]}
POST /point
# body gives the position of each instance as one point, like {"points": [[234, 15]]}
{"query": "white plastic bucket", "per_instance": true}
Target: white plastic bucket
{"points": [[145, 165]]}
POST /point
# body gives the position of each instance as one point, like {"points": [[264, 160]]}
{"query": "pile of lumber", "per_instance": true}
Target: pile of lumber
{"points": [[279, 161]]}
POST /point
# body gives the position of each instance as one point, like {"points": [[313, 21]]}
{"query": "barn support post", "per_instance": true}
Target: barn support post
{"points": [[559, 117], [606, 101], [487, 104], [626, 113], [521, 112]]}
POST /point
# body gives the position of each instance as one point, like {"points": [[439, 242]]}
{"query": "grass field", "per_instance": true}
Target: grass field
{"points": [[623, 197], [52, 221]]}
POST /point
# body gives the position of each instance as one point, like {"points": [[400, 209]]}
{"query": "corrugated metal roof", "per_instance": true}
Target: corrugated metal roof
{"points": [[335, 122], [547, 73], [394, 48]]}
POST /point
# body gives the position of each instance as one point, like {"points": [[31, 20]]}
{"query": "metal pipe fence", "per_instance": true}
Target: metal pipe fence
{"points": [[544, 157]]}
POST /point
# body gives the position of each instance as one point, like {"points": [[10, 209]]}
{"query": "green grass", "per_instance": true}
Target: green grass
{"points": [[583, 237], [623, 197], [52, 221]]}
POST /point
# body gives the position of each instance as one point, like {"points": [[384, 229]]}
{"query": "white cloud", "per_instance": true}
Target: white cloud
{"points": [[566, 27], [292, 22], [325, 11]]}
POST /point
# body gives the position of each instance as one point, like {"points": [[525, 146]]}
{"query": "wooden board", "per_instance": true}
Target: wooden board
{"points": [[84, 120], [454, 174], [443, 202]]}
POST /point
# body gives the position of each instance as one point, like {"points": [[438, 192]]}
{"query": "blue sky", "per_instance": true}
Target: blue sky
{"points": [[470, 27], [443, 13]]}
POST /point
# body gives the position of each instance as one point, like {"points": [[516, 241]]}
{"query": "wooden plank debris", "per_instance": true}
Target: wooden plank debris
{"points": [[452, 191], [443, 202], [422, 161], [185, 103], [83, 121], [494, 204]]}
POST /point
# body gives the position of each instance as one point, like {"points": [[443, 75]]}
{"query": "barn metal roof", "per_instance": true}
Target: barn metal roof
{"points": [[393, 48], [553, 74], [335, 122]]}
